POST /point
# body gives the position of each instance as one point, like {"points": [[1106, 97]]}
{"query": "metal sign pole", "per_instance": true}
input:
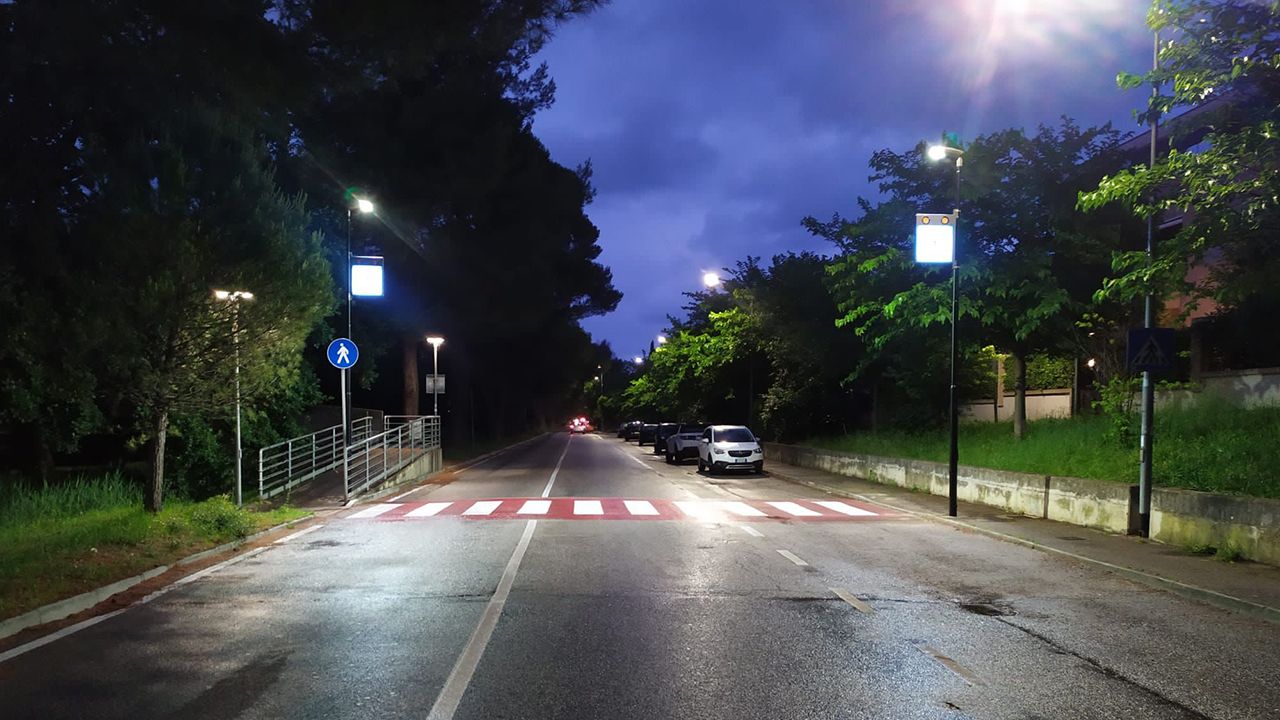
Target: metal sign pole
{"points": [[1148, 321], [345, 491]]}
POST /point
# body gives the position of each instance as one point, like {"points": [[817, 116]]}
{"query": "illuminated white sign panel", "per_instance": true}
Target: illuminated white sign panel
{"points": [[366, 276], [935, 238]]}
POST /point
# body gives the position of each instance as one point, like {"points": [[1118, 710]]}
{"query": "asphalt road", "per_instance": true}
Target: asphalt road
{"points": [[675, 605]]}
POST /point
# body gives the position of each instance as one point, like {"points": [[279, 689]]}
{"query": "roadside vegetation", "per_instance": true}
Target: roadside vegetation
{"points": [[57, 541], [1211, 447]]}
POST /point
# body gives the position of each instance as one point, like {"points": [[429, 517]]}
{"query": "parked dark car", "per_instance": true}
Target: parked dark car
{"points": [[631, 430], [660, 436], [647, 431]]}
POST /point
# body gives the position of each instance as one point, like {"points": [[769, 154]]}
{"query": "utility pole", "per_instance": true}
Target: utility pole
{"points": [[1148, 322]]}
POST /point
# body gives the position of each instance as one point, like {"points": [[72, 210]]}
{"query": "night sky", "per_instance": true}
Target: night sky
{"points": [[715, 126]]}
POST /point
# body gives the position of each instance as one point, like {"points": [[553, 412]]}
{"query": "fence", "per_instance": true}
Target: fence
{"points": [[373, 460], [288, 464]]}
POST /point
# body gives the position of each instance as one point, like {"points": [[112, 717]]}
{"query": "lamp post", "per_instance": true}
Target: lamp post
{"points": [[234, 298], [436, 341], [711, 280], [365, 206], [936, 153]]}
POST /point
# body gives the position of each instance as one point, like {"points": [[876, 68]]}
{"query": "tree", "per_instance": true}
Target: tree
{"points": [[1222, 57], [1029, 263]]}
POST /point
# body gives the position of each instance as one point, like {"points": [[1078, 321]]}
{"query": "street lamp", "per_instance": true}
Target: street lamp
{"points": [[436, 341], [937, 153], [234, 297], [639, 360], [662, 339], [710, 279], [365, 206]]}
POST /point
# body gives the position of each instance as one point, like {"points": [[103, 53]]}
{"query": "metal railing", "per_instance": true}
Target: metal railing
{"points": [[371, 461], [288, 464]]}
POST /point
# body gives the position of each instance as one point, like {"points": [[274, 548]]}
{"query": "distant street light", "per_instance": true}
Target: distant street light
{"points": [[937, 153], [234, 298], [710, 279], [1092, 362], [436, 342], [662, 339], [639, 360]]}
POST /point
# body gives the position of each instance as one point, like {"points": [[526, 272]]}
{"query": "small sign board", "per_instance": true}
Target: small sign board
{"points": [[1151, 350], [343, 353], [935, 238], [366, 276], [438, 386]]}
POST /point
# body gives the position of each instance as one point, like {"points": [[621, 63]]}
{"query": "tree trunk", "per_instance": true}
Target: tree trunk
{"points": [[409, 344], [45, 459], [154, 500], [1019, 395]]}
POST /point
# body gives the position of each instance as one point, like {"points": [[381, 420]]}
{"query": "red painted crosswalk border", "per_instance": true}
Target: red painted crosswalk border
{"points": [[577, 508]]}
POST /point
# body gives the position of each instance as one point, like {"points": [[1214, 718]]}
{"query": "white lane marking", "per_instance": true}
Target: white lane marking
{"points": [[587, 507], [965, 673], [41, 642], [428, 510], [792, 557], [751, 531], [642, 463], [534, 507], [374, 511], [546, 491], [640, 507], [298, 534], [484, 507], [460, 677], [845, 508], [741, 508], [848, 597], [698, 510], [794, 509]]}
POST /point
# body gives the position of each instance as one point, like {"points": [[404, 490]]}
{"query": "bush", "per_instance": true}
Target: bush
{"points": [[218, 516], [22, 503]]}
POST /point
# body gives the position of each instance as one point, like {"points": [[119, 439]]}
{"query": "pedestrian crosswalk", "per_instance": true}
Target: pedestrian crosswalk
{"points": [[623, 509]]}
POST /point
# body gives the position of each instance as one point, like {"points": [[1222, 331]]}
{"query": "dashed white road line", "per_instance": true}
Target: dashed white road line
{"points": [[298, 534], [751, 531], [965, 673], [848, 597], [792, 557]]}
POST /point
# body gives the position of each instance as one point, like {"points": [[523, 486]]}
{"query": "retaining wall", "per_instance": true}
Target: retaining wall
{"points": [[1178, 517]]}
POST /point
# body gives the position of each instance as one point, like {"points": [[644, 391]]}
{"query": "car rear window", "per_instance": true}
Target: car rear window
{"points": [[735, 435], [692, 428]]}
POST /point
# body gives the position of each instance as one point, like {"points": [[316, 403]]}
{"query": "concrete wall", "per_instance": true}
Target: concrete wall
{"points": [[1091, 503], [431, 462], [1187, 517], [1245, 388], [1040, 404]]}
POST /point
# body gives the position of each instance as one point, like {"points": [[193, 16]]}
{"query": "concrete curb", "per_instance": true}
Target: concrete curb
{"points": [[1226, 602], [61, 609]]}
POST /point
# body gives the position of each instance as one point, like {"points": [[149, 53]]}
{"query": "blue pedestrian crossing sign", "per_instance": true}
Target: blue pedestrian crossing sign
{"points": [[343, 353], [1151, 350]]}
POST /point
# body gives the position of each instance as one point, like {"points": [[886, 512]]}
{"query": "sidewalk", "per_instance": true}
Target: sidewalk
{"points": [[1245, 587]]}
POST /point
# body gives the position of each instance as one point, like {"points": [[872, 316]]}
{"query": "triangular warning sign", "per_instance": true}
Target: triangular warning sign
{"points": [[1150, 355]]}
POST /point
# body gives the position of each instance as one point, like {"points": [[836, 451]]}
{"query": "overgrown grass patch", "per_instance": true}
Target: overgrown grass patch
{"points": [[56, 542], [1209, 446]]}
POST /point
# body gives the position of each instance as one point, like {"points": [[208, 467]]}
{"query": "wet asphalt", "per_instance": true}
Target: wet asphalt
{"points": [[673, 618]]}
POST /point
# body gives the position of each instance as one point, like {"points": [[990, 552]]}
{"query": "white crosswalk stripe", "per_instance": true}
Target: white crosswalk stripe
{"points": [[428, 510], [794, 509], [640, 507], [535, 507], [845, 508], [741, 508], [484, 507], [587, 507], [375, 511], [698, 510]]}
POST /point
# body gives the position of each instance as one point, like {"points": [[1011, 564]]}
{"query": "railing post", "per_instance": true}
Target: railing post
{"points": [[260, 473], [290, 451]]}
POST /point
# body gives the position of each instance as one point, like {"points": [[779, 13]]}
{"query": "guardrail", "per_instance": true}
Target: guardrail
{"points": [[371, 461], [288, 464]]}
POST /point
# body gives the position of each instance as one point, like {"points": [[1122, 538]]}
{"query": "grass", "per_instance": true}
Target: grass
{"points": [[1210, 447], [62, 540]]}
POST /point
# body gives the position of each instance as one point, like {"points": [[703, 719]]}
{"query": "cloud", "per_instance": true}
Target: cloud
{"points": [[715, 126]]}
